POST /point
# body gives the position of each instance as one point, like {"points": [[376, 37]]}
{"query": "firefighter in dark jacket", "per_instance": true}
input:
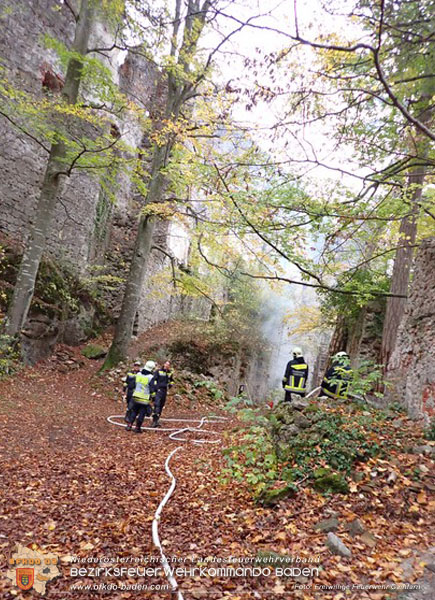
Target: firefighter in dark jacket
{"points": [[128, 383], [164, 381], [295, 376], [337, 379], [141, 404]]}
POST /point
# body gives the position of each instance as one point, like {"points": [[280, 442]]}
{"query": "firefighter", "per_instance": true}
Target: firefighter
{"points": [[129, 382], [295, 376], [336, 382], [141, 401], [164, 381]]}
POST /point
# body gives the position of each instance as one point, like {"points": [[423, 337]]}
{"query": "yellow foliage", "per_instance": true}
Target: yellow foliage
{"points": [[303, 320]]}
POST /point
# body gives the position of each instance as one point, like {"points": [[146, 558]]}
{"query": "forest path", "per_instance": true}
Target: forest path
{"points": [[76, 485]]}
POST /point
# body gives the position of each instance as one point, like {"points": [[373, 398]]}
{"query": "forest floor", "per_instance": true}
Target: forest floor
{"points": [[77, 486]]}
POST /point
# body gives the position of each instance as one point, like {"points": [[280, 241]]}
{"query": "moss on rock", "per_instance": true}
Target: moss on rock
{"points": [[327, 481], [271, 496], [94, 351]]}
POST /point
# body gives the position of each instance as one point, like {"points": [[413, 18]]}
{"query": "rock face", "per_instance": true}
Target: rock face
{"points": [[412, 365], [89, 230]]}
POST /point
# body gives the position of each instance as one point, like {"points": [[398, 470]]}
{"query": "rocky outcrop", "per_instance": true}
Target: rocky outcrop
{"points": [[92, 234], [411, 370]]}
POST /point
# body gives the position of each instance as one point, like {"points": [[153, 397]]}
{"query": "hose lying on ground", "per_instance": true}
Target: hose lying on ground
{"points": [[173, 436], [155, 527]]}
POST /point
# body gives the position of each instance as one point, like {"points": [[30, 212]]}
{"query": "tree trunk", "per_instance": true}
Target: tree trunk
{"points": [[136, 276], [402, 267], [179, 87], [51, 188]]}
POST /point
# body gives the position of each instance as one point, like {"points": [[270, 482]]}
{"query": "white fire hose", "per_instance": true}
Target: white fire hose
{"points": [[173, 436], [317, 389]]}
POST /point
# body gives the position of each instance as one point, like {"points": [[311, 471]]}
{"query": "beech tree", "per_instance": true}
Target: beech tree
{"points": [[51, 185], [59, 125], [184, 70], [371, 93]]}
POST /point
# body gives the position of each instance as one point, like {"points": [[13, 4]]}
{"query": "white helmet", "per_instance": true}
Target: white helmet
{"points": [[150, 365], [340, 357], [297, 352]]}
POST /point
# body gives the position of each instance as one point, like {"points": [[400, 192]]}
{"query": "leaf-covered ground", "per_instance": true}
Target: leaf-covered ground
{"points": [[75, 485]]}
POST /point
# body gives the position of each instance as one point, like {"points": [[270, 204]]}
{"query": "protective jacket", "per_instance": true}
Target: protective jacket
{"points": [[145, 385], [336, 382], [129, 383], [164, 378], [295, 376]]}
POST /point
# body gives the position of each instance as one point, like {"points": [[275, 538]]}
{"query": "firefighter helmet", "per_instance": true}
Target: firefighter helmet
{"points": [[150, 366], [297, 352]]}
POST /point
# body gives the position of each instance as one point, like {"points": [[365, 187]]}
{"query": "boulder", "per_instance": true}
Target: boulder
{"points": [[301, 421], [368, 539], [272, 496], [336, 546], [426, 449], [327, 525], [94, 352], [355, 527], [327, 481], [300, 404]]}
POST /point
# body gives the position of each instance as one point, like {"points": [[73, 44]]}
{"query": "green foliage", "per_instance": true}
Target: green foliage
{"points": [[429, 432], [59, 292], [252, 460], [94, 351], [364, 283], [334, 441], [327, 481], [9, 356], [322, 454], [96, 79], [211, 386], [363, 379]]}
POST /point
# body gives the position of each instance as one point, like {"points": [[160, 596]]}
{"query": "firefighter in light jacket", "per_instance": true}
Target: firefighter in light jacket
{"points": [[145, 383]]}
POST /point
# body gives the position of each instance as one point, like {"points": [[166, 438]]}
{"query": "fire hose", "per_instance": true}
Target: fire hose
{"points": [[175, 435]]}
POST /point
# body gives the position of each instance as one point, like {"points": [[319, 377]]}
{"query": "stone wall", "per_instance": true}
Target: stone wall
{"points": [[30, 65], [89, 229], [411, 369], [365, 336]]}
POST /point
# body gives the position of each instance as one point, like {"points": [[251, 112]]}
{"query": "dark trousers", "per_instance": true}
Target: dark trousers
{"points": [[159, 400], [129, 400], [139, 410]]}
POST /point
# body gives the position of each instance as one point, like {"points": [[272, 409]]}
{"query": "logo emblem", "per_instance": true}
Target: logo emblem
{"points": [[30, 568], [25, 578]]}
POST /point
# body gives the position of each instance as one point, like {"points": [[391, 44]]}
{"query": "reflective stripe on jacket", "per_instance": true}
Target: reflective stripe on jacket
{"points": [[129, 381], [164, 379], [142, 390], [336, 382], [296, 376]]}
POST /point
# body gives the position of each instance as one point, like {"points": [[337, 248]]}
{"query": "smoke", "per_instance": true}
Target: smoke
{"points": [[280, 303]]}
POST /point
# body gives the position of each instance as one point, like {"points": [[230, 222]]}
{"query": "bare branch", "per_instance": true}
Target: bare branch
{"points": [[275, 277], [73, 12], [20, 128]]}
